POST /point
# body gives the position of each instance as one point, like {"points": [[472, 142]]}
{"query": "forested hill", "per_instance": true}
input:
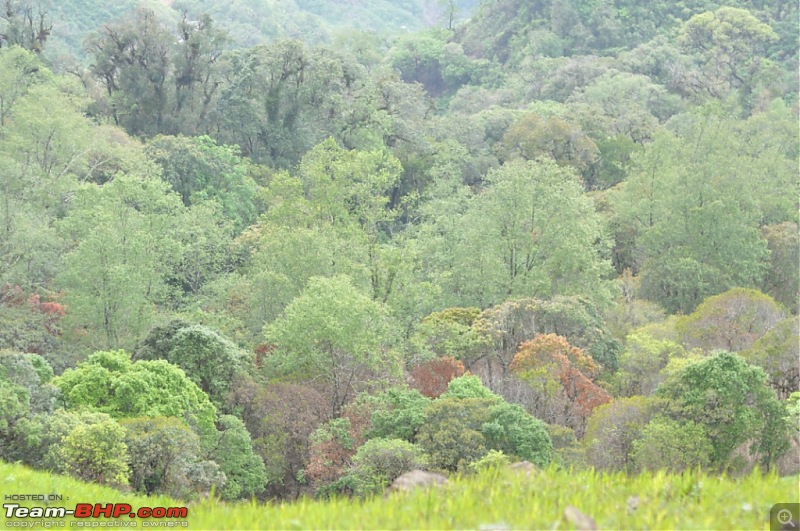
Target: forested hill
{"points": [[560, 231], [251, 22]]}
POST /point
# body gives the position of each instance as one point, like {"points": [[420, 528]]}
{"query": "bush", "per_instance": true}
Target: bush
{"points": [[493, 460], [165, 458], [733, 403], [613, 428], [96, 452], [513, 431], [397, 413], [469, 386], [452, 435], [668, 444], [378, 462]]}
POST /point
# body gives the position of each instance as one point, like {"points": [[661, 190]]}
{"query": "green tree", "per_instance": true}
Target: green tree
{"points": [[283, 98], [727, 43], [613, 429], [782, 280], [776, 353], [333, 333], [668, 444], [110, 383], [531, 232], [165, 458], [731, 321], [97, 453], [132, 61], [691, 203], [514, 432], [199, 170], [33, 373], [234, 453], [210, 360], [533, 136], [397, 413], [378, 462], [733, 403], [451, 437], [124, 248], [27, 24]]}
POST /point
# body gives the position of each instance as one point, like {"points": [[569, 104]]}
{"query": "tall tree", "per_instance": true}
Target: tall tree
{"points": [[530, 232], [333, 333], [124, 249], [692, 202]]}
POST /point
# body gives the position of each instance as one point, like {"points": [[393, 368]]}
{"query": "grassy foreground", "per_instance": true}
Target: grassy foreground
{"points": [[499, 500]]}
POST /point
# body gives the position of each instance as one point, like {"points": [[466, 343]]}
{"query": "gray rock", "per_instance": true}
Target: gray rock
{"points": [[525, 467], [417, 479], [581, 521]]}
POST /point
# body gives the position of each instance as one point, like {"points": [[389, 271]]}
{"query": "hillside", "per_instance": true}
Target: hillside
{"points": [[560, 231], [251, 22]]}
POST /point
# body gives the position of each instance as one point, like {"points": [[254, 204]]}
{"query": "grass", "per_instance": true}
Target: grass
{"points": [[492, 500]]}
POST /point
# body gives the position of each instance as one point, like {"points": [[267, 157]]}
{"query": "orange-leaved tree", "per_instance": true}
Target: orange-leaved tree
{"points": [[564, 375]]}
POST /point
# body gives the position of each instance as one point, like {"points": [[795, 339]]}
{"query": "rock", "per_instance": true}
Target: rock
{"points": [[417, 479], [633, 504], [499, 526], [525, 467], [581, 521]]}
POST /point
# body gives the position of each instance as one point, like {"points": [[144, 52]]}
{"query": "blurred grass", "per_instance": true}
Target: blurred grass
{"points": [[493, 500]]}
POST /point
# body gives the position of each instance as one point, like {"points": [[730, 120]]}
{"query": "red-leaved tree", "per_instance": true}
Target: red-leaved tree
{"points": [[431, 378], [564, 375]]}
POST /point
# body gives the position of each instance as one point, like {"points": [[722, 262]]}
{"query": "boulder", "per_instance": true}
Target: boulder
{"points": [[417, 479]]}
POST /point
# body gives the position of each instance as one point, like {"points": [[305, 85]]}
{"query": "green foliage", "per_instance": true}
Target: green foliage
{"points": [[452, 437], [513, 431], [125, 246], [233, 451], [397, 413], [531, 232], [165, 458], [668, 444], [110, 383], [89, 446], [613, 429], [96, 452], [696, 216], [731, 321], [313, 203], [469, 386], [469, 420], [776, 353], [448, 333], [733, 403], [378, 462], [14, 404], [782, 280], [642, 363], [200, 170], [210, 360], [334, 333], [493, 460]]}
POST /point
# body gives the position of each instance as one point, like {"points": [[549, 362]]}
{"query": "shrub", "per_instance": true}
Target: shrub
{"points": [[668, 444], [378, 462]]}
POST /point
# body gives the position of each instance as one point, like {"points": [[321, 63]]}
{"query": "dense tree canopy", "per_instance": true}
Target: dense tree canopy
{"points": [[347, 239]]}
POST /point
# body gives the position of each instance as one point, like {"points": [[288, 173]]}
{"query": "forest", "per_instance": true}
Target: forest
{"points": [[278, 250]]}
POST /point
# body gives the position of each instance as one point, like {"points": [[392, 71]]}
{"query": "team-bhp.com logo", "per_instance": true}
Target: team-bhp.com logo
{"points": [[153, 516]]}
